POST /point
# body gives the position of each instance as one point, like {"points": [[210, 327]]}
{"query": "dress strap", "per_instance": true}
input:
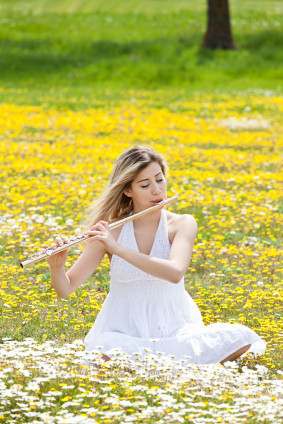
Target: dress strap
{"points": [[161, 246], [161, 240]]}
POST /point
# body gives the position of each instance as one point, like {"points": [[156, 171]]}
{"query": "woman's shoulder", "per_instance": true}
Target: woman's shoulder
{"points": [[184, 223], [178, 220]]}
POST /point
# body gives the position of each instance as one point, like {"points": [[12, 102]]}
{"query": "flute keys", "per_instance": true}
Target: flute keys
{"points": [[49, 252], [80, 236]]}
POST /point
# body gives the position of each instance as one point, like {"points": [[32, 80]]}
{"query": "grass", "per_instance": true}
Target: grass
{"points": [[47, 55]]}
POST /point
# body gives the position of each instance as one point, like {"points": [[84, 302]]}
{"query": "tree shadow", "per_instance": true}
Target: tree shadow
{"points": [[29, 57], [261, 46], [171, 58]]}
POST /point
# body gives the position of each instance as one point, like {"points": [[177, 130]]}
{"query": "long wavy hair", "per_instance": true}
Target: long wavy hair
{"points": [[113, 202]]}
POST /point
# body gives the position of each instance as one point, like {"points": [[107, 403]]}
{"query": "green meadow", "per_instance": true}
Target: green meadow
{"points": [[80, 53]]}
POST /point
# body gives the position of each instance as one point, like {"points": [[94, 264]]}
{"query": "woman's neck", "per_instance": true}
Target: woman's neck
{"points": [[148, 220]]}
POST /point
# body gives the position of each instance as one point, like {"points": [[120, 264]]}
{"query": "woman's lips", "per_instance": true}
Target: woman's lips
{"points": [[157, 201]]}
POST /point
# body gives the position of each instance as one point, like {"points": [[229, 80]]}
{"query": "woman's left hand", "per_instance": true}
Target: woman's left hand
{"points": [[101, 232]]}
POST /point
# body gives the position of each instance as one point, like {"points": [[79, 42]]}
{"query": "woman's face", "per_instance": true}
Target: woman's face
{"points": [[148, 188]]}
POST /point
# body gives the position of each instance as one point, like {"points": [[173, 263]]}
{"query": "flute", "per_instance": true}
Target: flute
{"points": [[80, 238]]}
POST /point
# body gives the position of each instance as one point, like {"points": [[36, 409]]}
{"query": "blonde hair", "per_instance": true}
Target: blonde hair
{"points": [[113, 202]]}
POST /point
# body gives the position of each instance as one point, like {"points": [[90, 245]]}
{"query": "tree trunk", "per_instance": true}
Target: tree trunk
{"points": [[218, 34]]}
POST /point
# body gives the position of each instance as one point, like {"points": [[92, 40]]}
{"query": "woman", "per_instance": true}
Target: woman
{"points": [[148, 260]]}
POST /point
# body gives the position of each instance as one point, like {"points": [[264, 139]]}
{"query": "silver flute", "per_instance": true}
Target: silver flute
{"points": [[80, 238]]}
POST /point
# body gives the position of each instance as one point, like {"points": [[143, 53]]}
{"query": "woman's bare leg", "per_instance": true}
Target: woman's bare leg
{"points": [[106, 358], [236, 354]]}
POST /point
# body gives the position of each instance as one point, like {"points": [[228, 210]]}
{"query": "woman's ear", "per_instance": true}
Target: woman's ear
{"points": [[128, 192]]}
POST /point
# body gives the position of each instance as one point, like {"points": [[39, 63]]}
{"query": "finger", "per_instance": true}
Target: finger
{"points": [[98, 237], [94, 227], [45, 245], [65, 238], [98, 227], [103, 225], [93, 233], [59, 241]]}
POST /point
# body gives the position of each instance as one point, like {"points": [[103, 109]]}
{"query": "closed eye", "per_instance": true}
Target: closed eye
{"points": [[158, 181]]}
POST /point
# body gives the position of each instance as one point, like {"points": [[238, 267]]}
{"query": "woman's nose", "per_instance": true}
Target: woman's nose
{"points": [[156, 188]]}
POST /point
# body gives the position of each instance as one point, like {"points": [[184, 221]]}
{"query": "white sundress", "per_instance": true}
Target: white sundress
{"points": [[142, 311]]}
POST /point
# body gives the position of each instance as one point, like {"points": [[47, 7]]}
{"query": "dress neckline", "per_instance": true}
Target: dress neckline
{"points": [[157, 231]]}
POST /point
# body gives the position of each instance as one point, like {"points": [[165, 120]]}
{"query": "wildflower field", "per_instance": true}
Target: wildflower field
{"points": [[64, 118], [224, 160]]}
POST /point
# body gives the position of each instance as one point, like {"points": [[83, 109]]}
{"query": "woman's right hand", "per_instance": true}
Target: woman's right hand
{"points": [[58, 260]]}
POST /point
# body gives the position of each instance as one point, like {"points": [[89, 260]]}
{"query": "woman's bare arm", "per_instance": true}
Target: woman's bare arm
{"points": [[66, 283], [173, 268]]}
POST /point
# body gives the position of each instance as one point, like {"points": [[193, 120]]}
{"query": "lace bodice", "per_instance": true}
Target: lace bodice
{"points": [[123, 271]]}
